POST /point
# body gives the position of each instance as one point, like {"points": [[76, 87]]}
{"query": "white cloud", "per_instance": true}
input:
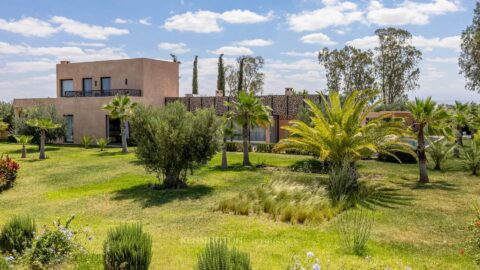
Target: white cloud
{"points": [[233, 50], [255, 43], [333, 14], [204, 21], [29, 27], [145, 21], [367, 42], [427, 44], [27, 66], [174, 47], [86, 30], [443, 60], [84, 44], [409, 12], [120, 21], [317, 38], [302, 54]]}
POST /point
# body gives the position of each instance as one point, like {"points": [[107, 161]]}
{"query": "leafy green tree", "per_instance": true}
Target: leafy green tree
{"points": [[121, 107], [396, 64], [248, 111], [171, 140], [429, 119], [221, 75], [241, 63], [43, 125], [439, 151], [460, 118], [338, 132], [41, 111], [347, 69], [3, 126], [23, 140], [6, 112], [253, 78], [469, 60], [195, 76]]}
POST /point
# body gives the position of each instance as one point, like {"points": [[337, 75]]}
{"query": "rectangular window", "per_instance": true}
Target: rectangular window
{"points": [[257, 134], [66, 87], [68, 128], [105, 84], [274, 129], [87, 87]]}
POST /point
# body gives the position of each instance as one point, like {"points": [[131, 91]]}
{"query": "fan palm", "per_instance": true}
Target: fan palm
{"points": [[439, 151], [121, 107], [23, 140], [43, 125], [338, 132], [227, 131], [248, 111], [429, 119], [471, 156], [460, 118]]}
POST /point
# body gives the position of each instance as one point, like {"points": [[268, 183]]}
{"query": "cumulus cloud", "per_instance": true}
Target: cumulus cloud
{"points": [[28, 66], [120, 21], [204, 21], [145, 21], [427, 44], [333, 14], [85, 44], [317, 38], [233, 50], [255, 43], [86, 30], [174, 47], [29, 27], [302, 54]]}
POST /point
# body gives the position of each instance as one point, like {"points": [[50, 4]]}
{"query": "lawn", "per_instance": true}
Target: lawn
{"points": [[421, 226]]}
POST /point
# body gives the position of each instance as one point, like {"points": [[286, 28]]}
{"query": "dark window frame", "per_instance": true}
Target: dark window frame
{"points": [[61, 86], [73, 133], [101, 83]]}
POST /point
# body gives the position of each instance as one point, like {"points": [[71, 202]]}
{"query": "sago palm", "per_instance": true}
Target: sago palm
{"points": [[43, 125], [248, 111], [439, 151], [339, 131], [121, 107], [460, 118], [429, 119], [23, 140]]}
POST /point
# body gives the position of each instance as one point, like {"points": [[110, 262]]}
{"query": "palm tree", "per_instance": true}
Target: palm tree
{"points": [[339, 132], [429, 119], [121, 107], [227, 131], [471, 155], [439, 151], [43, 125], [460, 117], [23, 140], [248, 111]]}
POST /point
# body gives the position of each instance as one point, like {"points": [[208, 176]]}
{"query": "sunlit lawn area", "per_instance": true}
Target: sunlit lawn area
{"points": [[424, 228]]}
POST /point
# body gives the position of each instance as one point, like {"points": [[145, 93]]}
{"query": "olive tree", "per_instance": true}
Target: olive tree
{"points": [[171, 141]]}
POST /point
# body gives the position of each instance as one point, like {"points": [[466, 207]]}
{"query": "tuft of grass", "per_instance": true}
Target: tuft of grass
{"points": [[353, 228]]}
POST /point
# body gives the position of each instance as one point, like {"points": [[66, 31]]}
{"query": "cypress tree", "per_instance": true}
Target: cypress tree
{"points": [[195, 77], [240, 76], [221, 75]]}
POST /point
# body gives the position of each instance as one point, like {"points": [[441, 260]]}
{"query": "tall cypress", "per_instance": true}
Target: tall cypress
{"points": [[195, 77], [240, 76], [221, 75]]}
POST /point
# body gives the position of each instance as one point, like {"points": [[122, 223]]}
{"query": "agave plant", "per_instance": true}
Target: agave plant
{"points": [[439, 151], [23, 140]]}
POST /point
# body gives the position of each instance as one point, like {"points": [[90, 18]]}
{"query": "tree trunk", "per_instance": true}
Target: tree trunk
{"points": [[224, 154], [422, 157], [123, 127], [42, 144], [246, 158], [172, 180], [459, 141], [437, 166], [24, 151]]}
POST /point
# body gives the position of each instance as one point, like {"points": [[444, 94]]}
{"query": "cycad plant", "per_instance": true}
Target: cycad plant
{"points": [[248, 112], [43, 125], [86, 141], [217, 256], [23, 140], [439, 151], [460, 118], [429, 119], [471, 155], [121, 107], [102, 143]]}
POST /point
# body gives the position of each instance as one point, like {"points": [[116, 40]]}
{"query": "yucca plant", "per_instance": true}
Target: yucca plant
{"points": [[17, 234], [102, 143], [86, 141], [471, 155], [439, 151], [127, 247], [23, 140], [217, 256]]}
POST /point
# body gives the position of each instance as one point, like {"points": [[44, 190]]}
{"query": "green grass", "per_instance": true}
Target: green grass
{"points": [[422, 226]]}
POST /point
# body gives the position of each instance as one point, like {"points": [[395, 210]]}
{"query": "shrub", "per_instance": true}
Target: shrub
{"points": [[265, 147], [297, 152], [440, 151], [404, 157], [353, 229], [342, 183], [217, 256], [86, 140], [236, 147], [53, 247], [17, 234], [472, 156], [8, 172], [4, 264], [127, 248], [310, 166], [102, 143], [172, 141]]}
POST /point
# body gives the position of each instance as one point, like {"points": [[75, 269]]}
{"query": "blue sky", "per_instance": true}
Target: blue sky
{"points": [[34, 35]]}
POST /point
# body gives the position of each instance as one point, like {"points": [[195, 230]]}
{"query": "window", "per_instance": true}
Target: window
{"points": [[68, 128], [87, 87], [66, 86], [105, 84]]}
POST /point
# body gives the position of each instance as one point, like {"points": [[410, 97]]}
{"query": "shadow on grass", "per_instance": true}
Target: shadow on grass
{"points": [[379, 196], [32, 150], [435, 185], [110, 154], [150, 197], [231, 168]]}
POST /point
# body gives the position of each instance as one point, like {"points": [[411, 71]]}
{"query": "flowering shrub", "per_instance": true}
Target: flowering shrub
{"points": [[8, 172], [303, 263]]}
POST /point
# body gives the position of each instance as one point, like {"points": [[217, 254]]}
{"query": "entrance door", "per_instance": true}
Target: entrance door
{"points": [[105, 85], [68, 128]]}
